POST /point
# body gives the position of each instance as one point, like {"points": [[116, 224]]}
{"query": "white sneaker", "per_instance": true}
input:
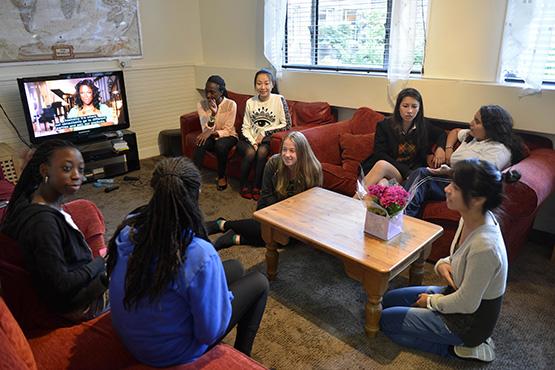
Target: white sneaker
{"points": [[483, 352]]}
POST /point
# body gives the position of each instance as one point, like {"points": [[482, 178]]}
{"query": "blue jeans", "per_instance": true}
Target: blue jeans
{"points": [[418, 328], [431, 189]]}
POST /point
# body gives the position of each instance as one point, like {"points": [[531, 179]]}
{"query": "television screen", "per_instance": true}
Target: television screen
{"points": [[74, 106]]}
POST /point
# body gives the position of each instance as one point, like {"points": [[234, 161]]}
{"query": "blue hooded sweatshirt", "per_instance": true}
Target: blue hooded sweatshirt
{"points": [[190, 316]]}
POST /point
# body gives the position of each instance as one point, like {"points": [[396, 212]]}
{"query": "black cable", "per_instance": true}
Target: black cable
{"points": [[15, 128]]}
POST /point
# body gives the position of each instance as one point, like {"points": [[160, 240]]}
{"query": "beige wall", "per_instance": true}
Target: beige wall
{"points": [[159, 86], [460, 69]]}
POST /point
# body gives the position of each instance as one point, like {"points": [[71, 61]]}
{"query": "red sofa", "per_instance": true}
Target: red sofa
{"points": [[340, 146], [303, 116], [54, 344]]}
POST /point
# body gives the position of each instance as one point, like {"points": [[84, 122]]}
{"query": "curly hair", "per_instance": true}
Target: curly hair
{"points": [[95, 91], [498, 125], [161, 231]]}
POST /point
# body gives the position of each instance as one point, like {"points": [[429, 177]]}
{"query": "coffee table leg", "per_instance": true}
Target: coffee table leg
{"points": [[416, 274], [272, 259], [375, 285]]}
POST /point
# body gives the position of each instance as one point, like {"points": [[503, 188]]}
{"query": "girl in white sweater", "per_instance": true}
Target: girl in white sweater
{"points": [[462, 315], [265, 113]]}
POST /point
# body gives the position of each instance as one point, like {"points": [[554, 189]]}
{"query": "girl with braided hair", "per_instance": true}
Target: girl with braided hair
{"points": [[67, 276], [217, 120], [172, 298]]}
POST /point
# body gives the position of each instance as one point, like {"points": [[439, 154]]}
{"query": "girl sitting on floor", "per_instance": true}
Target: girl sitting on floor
{"points": [[462, 315], [293, 171]]}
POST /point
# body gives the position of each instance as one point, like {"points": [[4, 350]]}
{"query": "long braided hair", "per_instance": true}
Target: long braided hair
{"points": [[30, 178], [161, 231]]}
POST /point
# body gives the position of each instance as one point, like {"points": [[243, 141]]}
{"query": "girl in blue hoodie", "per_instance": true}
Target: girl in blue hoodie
{"points": [[172, 298]]}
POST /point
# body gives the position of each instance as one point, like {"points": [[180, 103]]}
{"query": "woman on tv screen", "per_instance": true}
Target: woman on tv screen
{"points": [[87, 99]]}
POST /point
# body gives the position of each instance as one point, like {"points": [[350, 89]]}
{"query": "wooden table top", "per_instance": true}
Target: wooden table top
{"points": [[335, 223]]}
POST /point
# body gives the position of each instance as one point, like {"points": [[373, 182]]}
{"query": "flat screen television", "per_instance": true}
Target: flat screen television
{"points": [[74, 106]]}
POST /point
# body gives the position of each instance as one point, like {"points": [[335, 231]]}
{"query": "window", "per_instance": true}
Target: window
{"points": [[529, 43], [344, 35]]}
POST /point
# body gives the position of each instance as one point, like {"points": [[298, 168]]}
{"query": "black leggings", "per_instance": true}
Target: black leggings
{"points": [[248, 229], [250, 293], [246, 150], [220, 147]]}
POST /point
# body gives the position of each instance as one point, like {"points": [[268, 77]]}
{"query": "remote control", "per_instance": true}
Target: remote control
{"points": [[130, 178], [105, 181], [111, 188]]}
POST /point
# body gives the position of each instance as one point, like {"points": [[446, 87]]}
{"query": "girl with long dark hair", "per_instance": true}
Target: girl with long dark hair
{"points": [[265, 114], [172, 298], [403, 142], [490, 137], [460, 316]]}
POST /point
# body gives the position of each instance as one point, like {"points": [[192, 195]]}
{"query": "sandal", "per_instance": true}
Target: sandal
{"points": [[256, 194], [221, 187], [246, 193]]}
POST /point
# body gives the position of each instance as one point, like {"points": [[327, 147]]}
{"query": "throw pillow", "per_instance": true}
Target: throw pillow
{"points": [[356, 147]]}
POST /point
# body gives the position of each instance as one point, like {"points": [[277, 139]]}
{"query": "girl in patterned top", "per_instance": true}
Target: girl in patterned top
{"points": [[403, 142], [265, 113]]}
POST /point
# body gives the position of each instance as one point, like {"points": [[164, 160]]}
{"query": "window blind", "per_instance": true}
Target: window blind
{"points": [[344, 34]]}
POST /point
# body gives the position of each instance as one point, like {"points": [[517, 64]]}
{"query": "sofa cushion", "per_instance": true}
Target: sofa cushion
{"points": [[355, 149], [14, 351], [311, 113], [338, 179]]}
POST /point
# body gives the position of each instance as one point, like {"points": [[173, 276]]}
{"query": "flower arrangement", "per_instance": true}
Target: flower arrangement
{"points": [[386, 200]]}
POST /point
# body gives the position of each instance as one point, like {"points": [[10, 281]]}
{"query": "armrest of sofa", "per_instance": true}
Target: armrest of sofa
{"points": [[189, 122], [538, 173]]}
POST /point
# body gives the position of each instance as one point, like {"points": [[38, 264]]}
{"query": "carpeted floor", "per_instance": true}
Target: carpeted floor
{"points": [[315, 313]]}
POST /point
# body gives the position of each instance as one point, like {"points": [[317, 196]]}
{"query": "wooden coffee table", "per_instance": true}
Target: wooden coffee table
{"points": [[334, 223]]}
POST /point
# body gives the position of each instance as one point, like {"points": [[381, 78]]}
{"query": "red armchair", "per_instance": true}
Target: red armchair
{"points": [[338, 147], [56, 344], [303, 116]]}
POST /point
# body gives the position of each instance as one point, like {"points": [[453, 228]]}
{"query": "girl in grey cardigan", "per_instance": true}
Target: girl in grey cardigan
{"points": [[458, 318]]}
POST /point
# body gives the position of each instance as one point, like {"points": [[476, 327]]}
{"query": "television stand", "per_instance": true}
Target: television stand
{"points": [[107, 156]]}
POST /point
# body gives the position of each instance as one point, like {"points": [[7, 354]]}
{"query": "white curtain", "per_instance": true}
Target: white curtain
{"points": [[529, 32], [402, 43], [274, 32]]}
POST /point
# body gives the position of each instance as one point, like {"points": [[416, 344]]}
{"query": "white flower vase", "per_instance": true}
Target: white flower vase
{"points": [[383, 227]]}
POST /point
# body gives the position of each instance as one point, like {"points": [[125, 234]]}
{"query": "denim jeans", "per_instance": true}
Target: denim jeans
{"points": [[418, 328], [431, 189]]}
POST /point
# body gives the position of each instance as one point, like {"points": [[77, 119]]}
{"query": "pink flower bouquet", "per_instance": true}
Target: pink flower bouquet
{"points": [[386, 200]]}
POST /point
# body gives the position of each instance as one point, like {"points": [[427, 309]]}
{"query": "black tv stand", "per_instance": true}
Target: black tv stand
{"points": [[106, 156]]}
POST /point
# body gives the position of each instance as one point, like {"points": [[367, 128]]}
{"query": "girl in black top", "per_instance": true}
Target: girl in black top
{"points": [[403, 141], [66, 275]]}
